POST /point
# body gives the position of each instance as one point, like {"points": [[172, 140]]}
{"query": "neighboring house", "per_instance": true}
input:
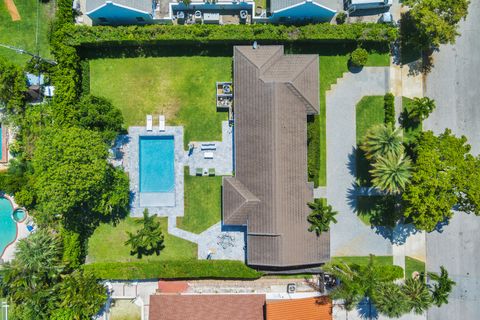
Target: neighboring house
{"points": [[120, 12], [298, 11], [207, 307], [269, 193], [318, 308]]}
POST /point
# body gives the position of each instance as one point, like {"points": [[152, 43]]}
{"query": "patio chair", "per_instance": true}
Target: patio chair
{"points": [[199, 172], [149, 122], [208, 155], [161, 121], [211, 172]]}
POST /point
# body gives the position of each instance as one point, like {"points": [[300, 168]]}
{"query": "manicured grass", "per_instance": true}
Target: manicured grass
{"points": [[412, 265], [363, 261], [125, 310], [369, 112], [203, 196], [411, 128], [182, 88], [21, 33], [107, 244]]}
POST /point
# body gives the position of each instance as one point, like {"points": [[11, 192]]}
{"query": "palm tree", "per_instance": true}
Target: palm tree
{"points": [[391, 173], [81, 295], [390, 300], [442, 288], [382, 140], [321, 217], [418, 296], [421, 108], [148, 239]]}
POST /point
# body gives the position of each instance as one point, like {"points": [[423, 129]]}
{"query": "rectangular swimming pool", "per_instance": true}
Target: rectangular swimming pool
{"points": [[156, 164]]}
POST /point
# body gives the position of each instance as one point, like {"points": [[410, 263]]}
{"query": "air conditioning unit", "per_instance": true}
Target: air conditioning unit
{"points": [[243, 14], [291, 288], [198, 16], [180, 15]]}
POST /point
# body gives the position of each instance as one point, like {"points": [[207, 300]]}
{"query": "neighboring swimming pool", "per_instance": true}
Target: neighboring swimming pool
{"points": [[8, 227], [156, 164]]}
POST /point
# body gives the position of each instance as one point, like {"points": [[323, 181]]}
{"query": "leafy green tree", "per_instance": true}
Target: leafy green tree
{"points": [[417, 294], [381, 141], [73, 180], [13, 86], [390, 300], [148, 239], [391, 173], [442, 287], [98, 114], [80, 297], [321, 217], [444, 175], [435, 21], [421, 108]]}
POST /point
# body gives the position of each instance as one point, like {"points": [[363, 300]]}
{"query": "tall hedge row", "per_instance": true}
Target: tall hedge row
{"points": [[81, 35]]}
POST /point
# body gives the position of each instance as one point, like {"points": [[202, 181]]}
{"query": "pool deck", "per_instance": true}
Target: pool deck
{"points": [[131, 165]]}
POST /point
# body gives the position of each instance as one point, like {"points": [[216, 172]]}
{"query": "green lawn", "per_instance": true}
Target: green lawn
{"points": [[411, 128], [412, 265], [107, 244], [369, 113], [21, 33], [362, 261], [182, 88], [203, 196]]}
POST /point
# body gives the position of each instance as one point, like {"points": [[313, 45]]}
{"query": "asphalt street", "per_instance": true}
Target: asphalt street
{"points": [[454, 84]]}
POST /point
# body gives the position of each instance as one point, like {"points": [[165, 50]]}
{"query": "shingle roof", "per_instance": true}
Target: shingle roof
{"points": [[276, 5], [300, 309], [207, 307], [269, 193], [143, 5]]}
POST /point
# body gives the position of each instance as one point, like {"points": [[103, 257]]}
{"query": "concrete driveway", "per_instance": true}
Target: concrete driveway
{"points": [[453, 83]]}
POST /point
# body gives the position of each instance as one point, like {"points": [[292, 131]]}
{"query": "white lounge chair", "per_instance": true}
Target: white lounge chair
{"points": [[208, 146], [161, 121], [208, 155], [149, 122]]}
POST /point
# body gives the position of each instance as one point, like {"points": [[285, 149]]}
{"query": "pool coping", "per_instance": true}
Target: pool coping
{"points": [[131, 166]]}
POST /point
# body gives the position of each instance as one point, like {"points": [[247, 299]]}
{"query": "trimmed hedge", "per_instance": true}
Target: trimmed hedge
{"points": [[151, 34], [190, 269], [389, 107], [313, 149]]}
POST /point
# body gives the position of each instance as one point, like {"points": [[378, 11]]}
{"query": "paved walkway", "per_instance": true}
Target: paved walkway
{"points": [[350, 236]]}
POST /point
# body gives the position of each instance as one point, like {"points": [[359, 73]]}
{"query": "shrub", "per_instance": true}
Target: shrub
{"points": [[72, 249], [189, 269], [389, 108], [313, 149], [341, 17], [359, 57]]}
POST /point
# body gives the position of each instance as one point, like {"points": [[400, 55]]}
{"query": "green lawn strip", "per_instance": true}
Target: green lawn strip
{"points": [[412, 265], [411, 128], [369, 112], [21, 33], [363, 261], [182, 88], [107, 244], [188, 269], [203, 197]]}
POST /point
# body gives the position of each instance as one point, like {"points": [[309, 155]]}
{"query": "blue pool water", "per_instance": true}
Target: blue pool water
{"points": [[157, 172], [8, 227]]}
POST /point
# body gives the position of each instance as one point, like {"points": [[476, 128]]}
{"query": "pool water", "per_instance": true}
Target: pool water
{"points": [[8, 227], [157, 171], [19, 215]]}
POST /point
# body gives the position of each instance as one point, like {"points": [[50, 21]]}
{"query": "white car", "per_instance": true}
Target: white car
{"points": [[353, 5]]}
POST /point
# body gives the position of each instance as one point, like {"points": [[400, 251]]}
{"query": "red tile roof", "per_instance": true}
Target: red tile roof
{"points": [[207, 307], [172, 286], [300, 309]]}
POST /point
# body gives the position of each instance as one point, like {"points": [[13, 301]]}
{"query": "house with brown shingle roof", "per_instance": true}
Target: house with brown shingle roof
{"points": [[274, 94], [207, 307]]}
